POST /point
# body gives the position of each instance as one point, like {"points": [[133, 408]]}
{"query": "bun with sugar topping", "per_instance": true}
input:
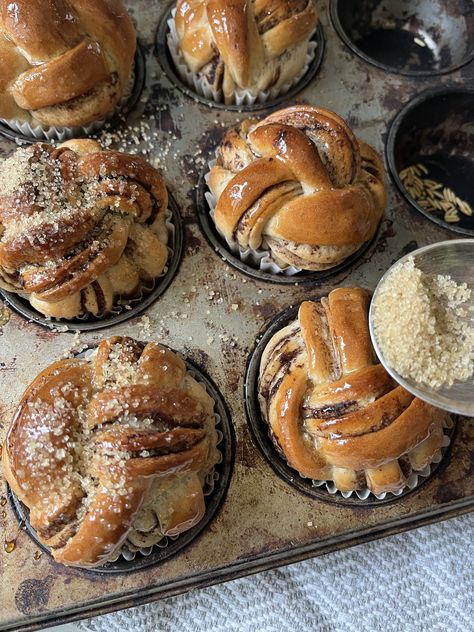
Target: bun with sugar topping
{"points": [[80, 227], [111, 449]]}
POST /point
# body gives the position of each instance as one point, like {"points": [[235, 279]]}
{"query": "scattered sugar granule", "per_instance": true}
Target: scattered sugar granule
{"points": [[145, 323], [422, 326]]}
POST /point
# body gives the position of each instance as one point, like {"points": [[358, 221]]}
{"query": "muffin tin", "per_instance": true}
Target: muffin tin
{"points": [[428, 37], [435, 130], [213, 313]]}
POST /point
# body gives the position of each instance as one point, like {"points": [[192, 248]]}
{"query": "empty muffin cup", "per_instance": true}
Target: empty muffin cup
{"points": [[215, 490], [324, 490], [429, 154], [178, 73], [429, 37]]}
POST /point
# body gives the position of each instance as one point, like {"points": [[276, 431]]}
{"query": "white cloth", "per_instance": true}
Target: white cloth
{"points": [[418, 581]]}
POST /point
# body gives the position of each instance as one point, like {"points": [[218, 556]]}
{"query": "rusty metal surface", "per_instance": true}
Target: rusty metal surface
{"points": [[213, 314]]}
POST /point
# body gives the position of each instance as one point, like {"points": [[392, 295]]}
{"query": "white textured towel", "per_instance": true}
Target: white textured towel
{"points": [[418, 581]]}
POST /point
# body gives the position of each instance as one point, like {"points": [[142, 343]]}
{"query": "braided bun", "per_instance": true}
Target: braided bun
{"points": [[64, 63], [80, 226], [300, 184], [333, 411], [249, 45], [110, 449]]}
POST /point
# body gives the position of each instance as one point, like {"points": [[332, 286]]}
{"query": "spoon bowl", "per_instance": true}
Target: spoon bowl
{"points": [[454, 258]]}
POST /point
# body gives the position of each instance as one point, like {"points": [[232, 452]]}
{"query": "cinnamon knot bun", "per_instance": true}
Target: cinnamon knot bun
{"points": [[112, 448], [64, 63], [80, 227], [333, 411], [250, 45], [300, 185]]}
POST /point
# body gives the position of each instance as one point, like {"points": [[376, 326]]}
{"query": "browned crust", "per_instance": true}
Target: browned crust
{"points": [[336, 414], [175, 444], [370, 450], [237, 44], [287, 427], [299, 178], [62, 259], [69, 60], [104, 528], [49, 85]]}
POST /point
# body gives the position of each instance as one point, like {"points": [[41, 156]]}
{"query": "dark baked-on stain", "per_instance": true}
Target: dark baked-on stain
{"points": [[33, 595], [265, 309], [448, 492], [387, 232], [192, 242], [200, 357], [407, 248]]}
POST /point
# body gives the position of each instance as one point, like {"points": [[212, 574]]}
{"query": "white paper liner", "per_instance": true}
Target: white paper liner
{"points": [[64, 133], [123, 303], [260, 259], [240, 97], [415, 478]]}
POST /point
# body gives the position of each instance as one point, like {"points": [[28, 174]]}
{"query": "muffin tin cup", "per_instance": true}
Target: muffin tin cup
{"points": [[435, 130], [168, 65], [52, 134], [416, 39], [124, 310], [214, 494], [320, 490], [218, 243]]}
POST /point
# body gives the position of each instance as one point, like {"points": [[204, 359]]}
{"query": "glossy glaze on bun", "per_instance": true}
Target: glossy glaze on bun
{"points": [[80, 227], [300, 185], [334, 412], [110, 449], [63, 63], [250, 45]]}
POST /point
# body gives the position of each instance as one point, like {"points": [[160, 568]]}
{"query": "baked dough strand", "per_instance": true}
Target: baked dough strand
{"points": [[250, 45], [80, 226], [64, 63]]}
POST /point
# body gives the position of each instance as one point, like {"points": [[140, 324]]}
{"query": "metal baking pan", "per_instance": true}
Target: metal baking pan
{"points": [[213, 313]]}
